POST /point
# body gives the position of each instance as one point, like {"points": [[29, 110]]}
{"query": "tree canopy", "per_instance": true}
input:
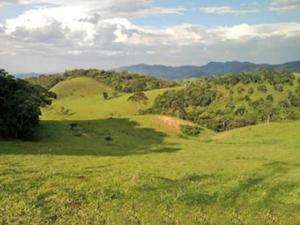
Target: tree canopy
{"points": [[234, 100], [20, 104]]}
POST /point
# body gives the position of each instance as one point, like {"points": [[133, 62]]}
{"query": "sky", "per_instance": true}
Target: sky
{"points": [[48, 36]]}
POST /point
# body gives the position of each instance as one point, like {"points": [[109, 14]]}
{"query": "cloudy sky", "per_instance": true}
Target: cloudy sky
{"points": [[55, 35]]}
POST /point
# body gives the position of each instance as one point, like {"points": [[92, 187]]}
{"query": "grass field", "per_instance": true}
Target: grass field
{"points": [[102, 164]]}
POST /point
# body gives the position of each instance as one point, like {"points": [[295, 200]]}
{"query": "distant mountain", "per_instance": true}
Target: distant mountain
{"points": [[25, 75], [163, 71], [212, 68]]}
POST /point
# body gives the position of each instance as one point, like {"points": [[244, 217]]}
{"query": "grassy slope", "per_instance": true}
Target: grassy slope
{"points": [[83, 97], [147, 174]]}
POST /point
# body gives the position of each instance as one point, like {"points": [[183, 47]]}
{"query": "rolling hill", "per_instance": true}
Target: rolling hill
{"points": [[82, 97], [212, 68], [95, 160]]}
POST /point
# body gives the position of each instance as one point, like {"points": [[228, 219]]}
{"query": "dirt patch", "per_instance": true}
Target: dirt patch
{"points": [[170, 124]]}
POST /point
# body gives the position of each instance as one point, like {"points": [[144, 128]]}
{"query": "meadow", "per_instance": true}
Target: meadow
{"points": [[97, 161]]}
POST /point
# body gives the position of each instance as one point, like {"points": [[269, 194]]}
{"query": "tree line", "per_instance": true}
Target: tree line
{"points": [[234, 100]]}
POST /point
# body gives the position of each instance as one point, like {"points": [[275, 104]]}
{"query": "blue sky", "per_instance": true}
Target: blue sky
{"points": [[54, 35], [193, 15]]}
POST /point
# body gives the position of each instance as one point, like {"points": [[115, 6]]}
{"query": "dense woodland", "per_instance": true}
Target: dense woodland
{"points": [[122, 82], [234, 100]]}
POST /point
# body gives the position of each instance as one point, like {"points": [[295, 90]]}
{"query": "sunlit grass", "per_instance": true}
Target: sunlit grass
{"points": [[129, 169]]}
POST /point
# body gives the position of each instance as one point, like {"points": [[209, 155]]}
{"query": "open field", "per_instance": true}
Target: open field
{"points": [[147, 176], [102, 164]]}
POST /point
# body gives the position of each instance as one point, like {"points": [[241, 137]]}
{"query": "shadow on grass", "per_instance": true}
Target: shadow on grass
{"points": [[105, 137], [199, 189]]}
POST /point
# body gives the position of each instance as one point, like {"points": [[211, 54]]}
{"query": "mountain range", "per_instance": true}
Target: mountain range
{"points": [[212, 68], [189, 71]]}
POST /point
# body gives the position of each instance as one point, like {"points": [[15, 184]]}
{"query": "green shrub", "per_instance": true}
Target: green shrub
{"points": [[240, 90], [139, 97], [284, 103], [262, 88], [250, 90], [279, 87], [247, 98], [294, 99], [105, 95], [191, 130]]}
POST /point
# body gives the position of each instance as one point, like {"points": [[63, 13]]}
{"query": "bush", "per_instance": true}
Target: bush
{"points": [[279, 87], [284, 103], [138, 97], [105, 95], [294, 99], [247, 98], [250, 90], [262, 88], [240, 90], [191, 130]]}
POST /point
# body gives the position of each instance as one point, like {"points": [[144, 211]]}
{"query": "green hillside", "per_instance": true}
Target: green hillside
{"points": [[97, 161], [79, 87], [234, 100], [120, 81], [82, 99]]}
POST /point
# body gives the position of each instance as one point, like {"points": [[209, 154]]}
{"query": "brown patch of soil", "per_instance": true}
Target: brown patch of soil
{"points": [[171, 124]]}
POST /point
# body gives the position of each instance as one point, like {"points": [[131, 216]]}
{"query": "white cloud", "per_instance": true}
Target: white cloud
{"points": [[75, 52], [101, 33], [283, 6], [51, 24], [115, 33], [100, 9], [223, 10], [245, 32]]}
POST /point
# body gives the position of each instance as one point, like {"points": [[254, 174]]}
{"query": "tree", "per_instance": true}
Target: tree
{"points": [[294, 99], [20, 104], [139, 97], [279, 87], [247, 98], [262, 88], [240, 90], [250, 90], [266, 110]]}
